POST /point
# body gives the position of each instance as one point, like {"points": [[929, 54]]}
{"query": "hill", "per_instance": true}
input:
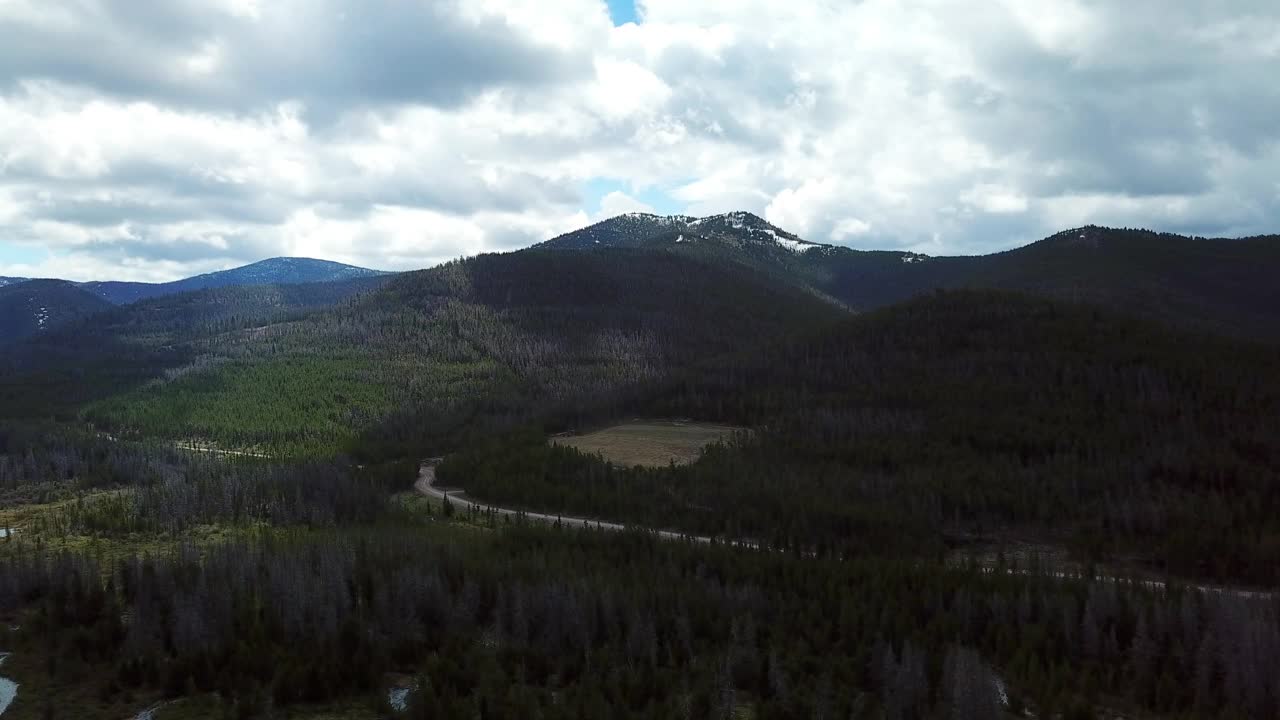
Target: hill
{"points": [[4, 281], [55, 372], [274, 271], [38, 306], [958, 415], [410, 367], [1219, 285]]}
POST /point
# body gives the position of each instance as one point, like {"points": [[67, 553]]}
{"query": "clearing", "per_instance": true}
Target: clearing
{"points": [[651, 443]]}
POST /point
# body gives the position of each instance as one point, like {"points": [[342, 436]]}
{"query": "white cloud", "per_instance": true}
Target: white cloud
{"points": [[618, 202], [151, 141], [995, 199], [850, 228]]}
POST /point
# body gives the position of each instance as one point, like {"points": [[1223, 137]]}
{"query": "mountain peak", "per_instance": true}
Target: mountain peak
{"points": [[738, 229]]}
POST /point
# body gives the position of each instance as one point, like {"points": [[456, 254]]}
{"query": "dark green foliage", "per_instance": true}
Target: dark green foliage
{"points": [[170, 491], [411, 369], [54, 374], [958, 415], [539, 622], [571, 336], [1218, 285]]}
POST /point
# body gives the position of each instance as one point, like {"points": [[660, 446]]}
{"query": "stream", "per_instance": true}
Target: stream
{"points": [[8, 688]]}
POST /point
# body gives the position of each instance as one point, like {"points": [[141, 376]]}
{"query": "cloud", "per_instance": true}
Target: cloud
{"points": [[618, 202], [151, 141], [328, 55]]}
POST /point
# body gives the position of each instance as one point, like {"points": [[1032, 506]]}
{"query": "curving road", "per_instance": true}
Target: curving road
{"points": [[426, 485]]}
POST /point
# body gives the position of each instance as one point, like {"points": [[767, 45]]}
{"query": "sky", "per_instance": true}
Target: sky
{"points": [[151, 141]]}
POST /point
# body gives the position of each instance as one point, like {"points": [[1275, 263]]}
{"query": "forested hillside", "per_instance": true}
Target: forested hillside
{"points": [[462, 349], [54, 373], [33, 307], [1213, 285], [957, 415], [206, 502]]}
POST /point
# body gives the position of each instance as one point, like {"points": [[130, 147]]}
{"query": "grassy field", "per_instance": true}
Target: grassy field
{"points": [[649, 443]]}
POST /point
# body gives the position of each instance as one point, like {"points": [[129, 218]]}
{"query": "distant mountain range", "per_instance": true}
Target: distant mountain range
{"points": [[1222, 285], [31, 306], [275, 271]]}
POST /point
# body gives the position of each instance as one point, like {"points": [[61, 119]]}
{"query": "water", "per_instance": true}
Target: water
{"points": [[149, 713], [398, 699], [8, 688]]}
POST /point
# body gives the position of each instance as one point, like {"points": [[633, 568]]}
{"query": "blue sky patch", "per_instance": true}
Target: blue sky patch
{"points": [[597, 188], [623, 11], [15, 254]]}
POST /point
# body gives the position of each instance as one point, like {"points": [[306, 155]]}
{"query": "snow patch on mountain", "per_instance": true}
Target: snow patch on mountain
{"points": [[796, 246], [739, 230]]}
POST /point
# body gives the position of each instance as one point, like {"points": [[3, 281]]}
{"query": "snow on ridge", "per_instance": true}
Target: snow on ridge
{"points": [[746, 226], [795, 246]]}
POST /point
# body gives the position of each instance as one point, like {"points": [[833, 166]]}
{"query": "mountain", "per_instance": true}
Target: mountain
{"points": [[275, 271], [408, 369], [1224, 285], [5, 281], [628, 230], [889, 455], [38, 306], [121, 346], [742, 231]]}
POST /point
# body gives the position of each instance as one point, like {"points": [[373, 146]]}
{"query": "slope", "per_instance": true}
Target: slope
{"points": [[485, 343], [1222, 285], [50, 374], [961, 415], [38, 306]]}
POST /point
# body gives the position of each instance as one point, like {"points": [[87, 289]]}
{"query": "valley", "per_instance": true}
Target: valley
{"points": [[650, 443], [219, 496]]}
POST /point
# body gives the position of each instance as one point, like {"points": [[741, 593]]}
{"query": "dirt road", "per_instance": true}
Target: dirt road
{"points": [[426, 485]]}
